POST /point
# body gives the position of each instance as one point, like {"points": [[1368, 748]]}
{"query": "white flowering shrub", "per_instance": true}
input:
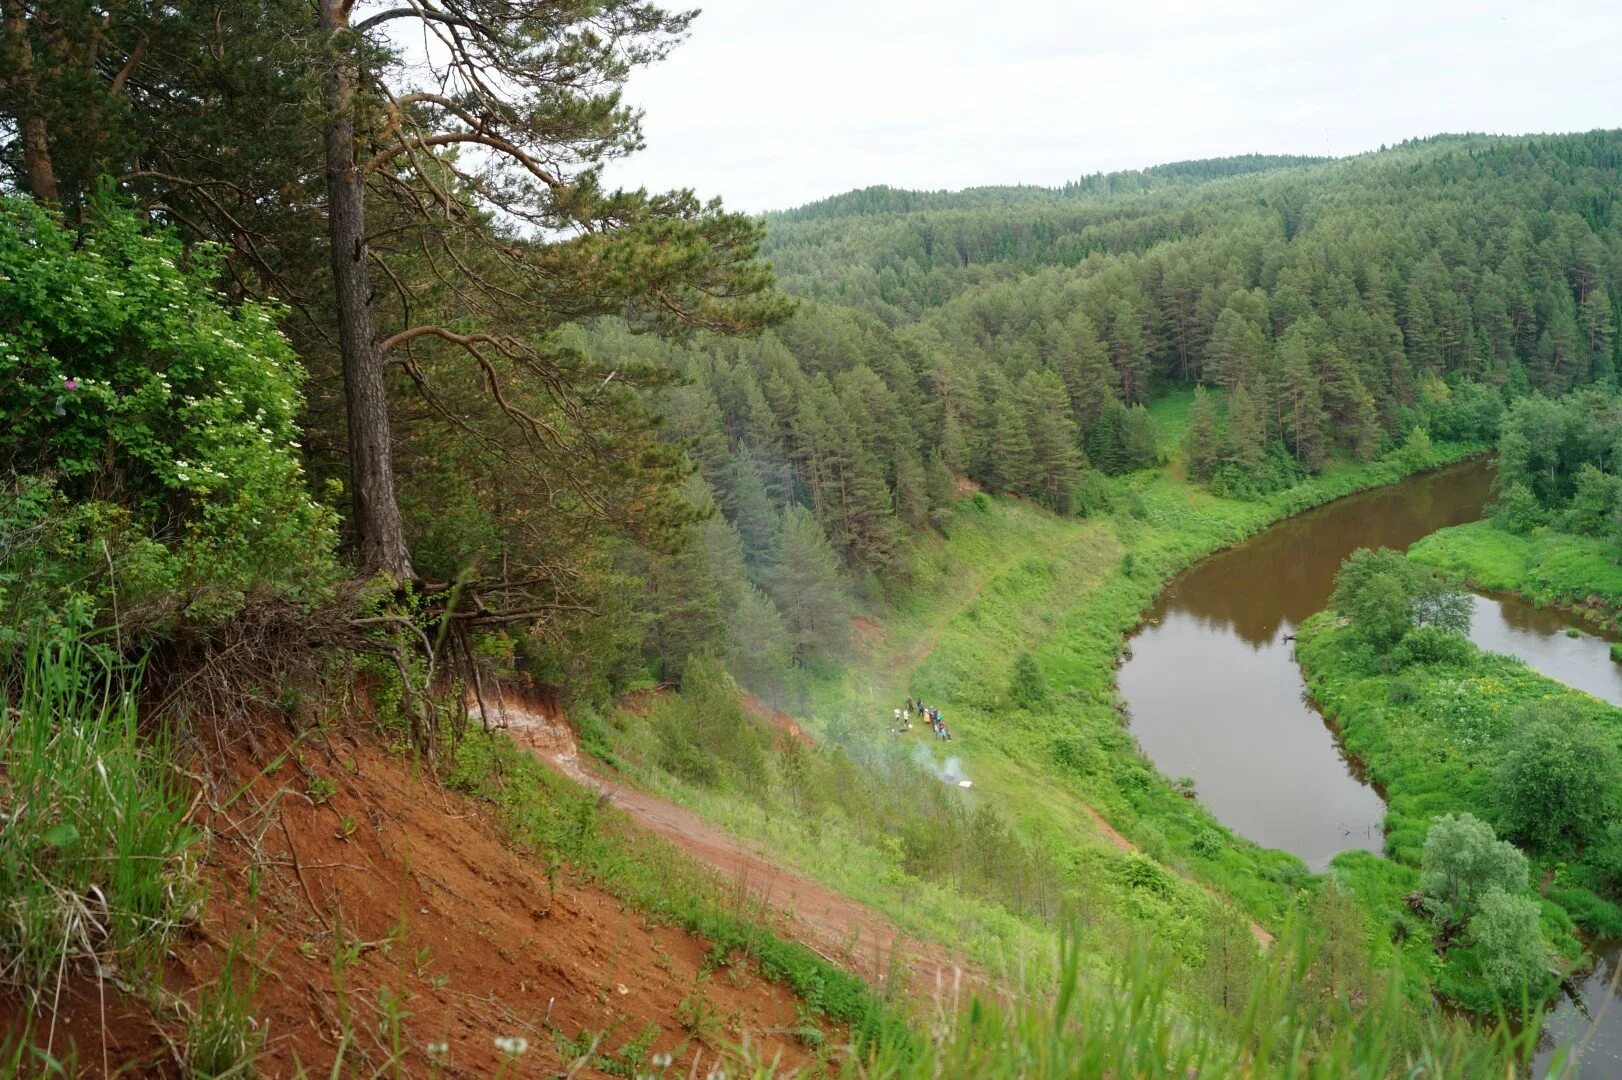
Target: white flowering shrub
{"points": [[148, 432]]}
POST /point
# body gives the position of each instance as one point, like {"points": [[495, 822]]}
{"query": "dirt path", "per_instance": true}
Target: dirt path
{"points": [[838, 928]]}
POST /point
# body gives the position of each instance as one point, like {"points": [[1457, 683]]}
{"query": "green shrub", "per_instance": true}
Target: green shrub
{"points": [[151, 432], [1464, 861], [1519, 510], [1509, 942], [1553, 786], [1026, 688], [1432, 645], [1386, 596], [1401, 691]]}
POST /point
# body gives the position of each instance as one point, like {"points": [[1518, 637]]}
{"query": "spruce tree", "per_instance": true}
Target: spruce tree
{"points": [[1202, 445]]}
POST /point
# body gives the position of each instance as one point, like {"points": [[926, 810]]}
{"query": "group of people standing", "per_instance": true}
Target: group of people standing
{"points": [[903, 719]]}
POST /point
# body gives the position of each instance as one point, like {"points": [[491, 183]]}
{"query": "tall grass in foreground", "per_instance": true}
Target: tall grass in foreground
{"points": [[1132, 1027], [95, 865]]}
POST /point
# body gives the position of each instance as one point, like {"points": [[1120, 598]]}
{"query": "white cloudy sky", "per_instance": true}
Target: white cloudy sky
{"points": [[772, 103]]}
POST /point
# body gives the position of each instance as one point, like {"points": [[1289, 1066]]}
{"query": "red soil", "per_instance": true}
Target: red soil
{"points": [[442, 913]]}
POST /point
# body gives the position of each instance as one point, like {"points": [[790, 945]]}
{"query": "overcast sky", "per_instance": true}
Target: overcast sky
{"points": [[772, 103]]}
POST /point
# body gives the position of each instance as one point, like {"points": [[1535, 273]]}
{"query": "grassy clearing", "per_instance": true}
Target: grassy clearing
{"points": [[1546, 566], [96, 865], [1432, 736]]}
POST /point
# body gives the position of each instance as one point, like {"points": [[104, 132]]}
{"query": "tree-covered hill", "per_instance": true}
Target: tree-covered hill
{"points": [[1012, 336]]}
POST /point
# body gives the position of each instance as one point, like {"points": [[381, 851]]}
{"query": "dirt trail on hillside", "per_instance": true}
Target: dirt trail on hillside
{"points": [[838, 928]]}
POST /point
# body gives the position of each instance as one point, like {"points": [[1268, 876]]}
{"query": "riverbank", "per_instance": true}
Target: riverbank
{"points": [[1547, 567], [1432, 736]]}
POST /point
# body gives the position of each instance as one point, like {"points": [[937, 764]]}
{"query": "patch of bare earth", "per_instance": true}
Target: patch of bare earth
{"points": [[394, 889]]}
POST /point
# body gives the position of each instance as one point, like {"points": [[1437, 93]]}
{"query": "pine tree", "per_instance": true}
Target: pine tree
{"points": [[1244, 440], [911, 489], [1129, 352], [751, 510], [1298, 401], [941, 485], [760, 650], [1084, 365], [1012, 461], [1056, 459], [1140, 442], [685, 608], [1598, 325], [808, 589], [952, 444], [1238, 350]]}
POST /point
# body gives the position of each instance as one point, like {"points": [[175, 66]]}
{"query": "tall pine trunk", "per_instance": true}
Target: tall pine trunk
{"points": [[19, 57], [380, 533]]}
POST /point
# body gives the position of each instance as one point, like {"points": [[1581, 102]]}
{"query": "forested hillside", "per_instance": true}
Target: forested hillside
{"points": [[1012, 337]]}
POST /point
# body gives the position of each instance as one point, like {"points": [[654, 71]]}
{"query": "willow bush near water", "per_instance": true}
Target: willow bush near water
{"points": [[95, 847]]}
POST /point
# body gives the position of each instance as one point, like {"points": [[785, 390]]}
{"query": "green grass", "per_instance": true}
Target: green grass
{"points": [[1545, 566], [96, 864], [1305, 1014]]}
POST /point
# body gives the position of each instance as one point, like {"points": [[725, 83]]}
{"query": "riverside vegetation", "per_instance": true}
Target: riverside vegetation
{"points": [[299, 398]]}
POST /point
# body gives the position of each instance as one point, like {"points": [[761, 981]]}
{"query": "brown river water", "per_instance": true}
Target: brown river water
{"points": [[1214, 692]]}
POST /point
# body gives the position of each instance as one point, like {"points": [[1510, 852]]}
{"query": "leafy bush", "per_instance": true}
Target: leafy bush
{"points": [[1432, 645], [1593, 502], [150, 433], [1510, 944], [1464, 861], [1519, 510], [1469, 412], [1553, 787], [1279, 470], [1026, 688], [1386, 595], [1417, 450], [1095, 495]]}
